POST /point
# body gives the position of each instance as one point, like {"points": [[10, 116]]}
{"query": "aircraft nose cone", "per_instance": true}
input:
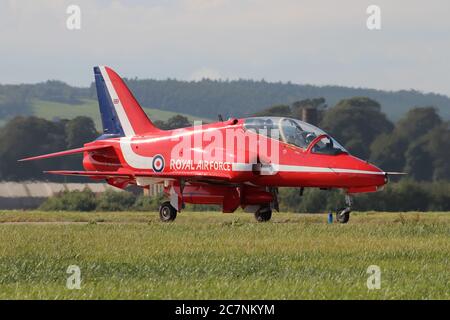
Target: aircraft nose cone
{"points": [[373, 176], [379, 176], [374, 168]]}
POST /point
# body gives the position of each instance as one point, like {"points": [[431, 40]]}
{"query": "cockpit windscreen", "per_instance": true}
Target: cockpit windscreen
{"points": [[294, 132]]}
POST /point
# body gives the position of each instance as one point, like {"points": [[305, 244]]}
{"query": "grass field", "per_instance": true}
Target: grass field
{"points": [[49, 110], [212, 255]]}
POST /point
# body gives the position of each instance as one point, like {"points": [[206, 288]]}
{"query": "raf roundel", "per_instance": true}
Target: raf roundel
{"points": [[158, 163]]}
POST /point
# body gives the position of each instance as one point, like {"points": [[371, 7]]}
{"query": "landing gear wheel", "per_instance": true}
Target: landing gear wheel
{"points": [[167, 213], [343, 215], [263, 214]]}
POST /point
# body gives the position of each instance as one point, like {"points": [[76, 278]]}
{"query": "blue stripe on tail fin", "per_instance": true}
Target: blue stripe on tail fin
{"points": [[110, 121]]}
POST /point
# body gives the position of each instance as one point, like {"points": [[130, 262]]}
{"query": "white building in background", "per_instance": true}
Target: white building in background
{"points": [[29, 195]]}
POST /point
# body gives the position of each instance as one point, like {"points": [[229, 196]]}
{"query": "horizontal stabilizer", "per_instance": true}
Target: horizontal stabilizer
{"points": [[66, 152], [132, 175], [94, 174]]}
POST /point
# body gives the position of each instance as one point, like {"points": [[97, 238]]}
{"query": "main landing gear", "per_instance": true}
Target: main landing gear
{"points": [[343, 214], [257, 200], [263, 214], [167, 212]]}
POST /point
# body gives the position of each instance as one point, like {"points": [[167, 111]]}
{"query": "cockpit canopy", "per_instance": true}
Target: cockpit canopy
{"points": [[294, 132]]}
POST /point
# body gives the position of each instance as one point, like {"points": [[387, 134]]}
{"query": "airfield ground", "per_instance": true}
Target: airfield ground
{"points": [[223, 256]]}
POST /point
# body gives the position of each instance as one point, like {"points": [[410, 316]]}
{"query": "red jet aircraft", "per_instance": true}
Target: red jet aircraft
{"points": [[234, 163]]}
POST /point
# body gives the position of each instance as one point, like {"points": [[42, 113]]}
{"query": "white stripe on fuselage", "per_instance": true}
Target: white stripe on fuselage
{"points": [[126, 125], [137, 161], [293, 168], [133, 159]]}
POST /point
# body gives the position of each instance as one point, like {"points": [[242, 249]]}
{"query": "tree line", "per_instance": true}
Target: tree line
{"points": [[23, 137], [419, 143], [234, 98]]}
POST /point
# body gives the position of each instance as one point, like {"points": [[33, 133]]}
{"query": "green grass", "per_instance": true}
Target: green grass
{"points": [[49, 110], [213, 255]]}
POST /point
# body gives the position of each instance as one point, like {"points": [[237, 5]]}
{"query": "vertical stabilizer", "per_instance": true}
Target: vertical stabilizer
{"points": [[120, 112]]}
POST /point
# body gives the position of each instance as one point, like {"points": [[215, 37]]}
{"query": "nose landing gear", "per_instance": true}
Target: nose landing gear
{"points": [[343, 214]]}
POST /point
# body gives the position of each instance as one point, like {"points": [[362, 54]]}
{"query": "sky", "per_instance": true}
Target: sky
{"points": [[303, 41]]}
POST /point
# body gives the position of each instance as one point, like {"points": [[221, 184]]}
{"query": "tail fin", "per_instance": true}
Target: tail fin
{"points": [[121, 113]]}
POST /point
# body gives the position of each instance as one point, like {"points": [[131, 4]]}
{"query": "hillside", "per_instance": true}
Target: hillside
{"points": [[57, 110], [245, 97], [52, 110], [204, 99]]}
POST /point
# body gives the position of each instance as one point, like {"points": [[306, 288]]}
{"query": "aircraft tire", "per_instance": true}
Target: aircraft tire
{"points": [[167, 212], [263, 214], [343, 215]]}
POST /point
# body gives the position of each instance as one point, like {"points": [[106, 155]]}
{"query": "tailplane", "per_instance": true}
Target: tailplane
{"points": [[68, 152], [120, 112]]}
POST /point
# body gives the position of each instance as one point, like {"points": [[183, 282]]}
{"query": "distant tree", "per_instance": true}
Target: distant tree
{"points": [[178, 121], [439, 196], [23, 137], [388, 152], [296, 110], [309, 103], [318, 104], [175, 122], [79, 131], [159, 124], [14, 102], [438, 147], [417, 122], [58, 91], [281, 110], [356, 122], [418, 145], [418, 160]]}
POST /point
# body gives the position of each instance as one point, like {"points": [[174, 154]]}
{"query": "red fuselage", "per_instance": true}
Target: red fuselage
{"points": [[203, 150]]}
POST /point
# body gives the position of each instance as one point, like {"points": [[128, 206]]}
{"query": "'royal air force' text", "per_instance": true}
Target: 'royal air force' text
{"points": [[181, 164]]}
